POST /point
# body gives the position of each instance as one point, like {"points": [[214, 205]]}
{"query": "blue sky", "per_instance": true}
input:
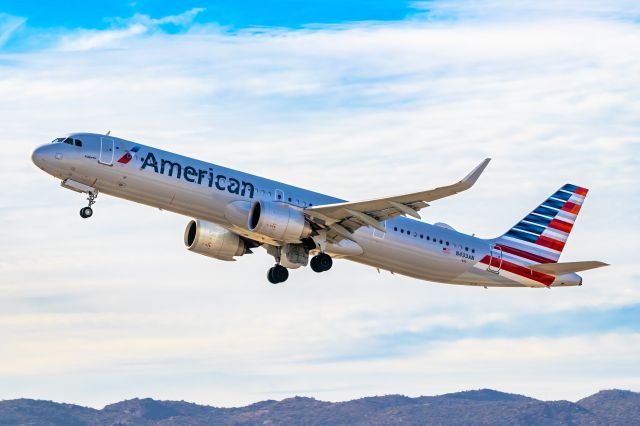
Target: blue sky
{"points": [[237, 14], [357, 99], [44, 17]]}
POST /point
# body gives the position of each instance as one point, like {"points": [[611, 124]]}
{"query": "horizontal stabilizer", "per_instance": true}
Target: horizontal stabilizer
{"points": [[567, 267]]}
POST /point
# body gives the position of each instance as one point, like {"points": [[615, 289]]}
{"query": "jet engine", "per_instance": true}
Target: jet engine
{"points": [[279, 221], [213, 240]]}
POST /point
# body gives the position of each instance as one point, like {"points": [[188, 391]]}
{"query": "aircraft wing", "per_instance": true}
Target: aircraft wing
{"points": [[342, 219]]}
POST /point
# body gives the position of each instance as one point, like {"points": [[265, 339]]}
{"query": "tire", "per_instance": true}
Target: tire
{"points": [[277, 274], [270, 276], [86, 212], [324, 261], [280, 273], [314, 264]]}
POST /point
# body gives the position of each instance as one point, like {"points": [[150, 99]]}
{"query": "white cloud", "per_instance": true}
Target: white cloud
{"points": [[358, 111], [126, 30], [94, 39], [9, 24], [182, 19]]}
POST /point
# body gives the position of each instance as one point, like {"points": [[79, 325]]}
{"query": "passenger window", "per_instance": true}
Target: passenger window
{"points": [[289, 199], [401, 231], [428, 238], [447, 242], [78, 142], [473, 250], [421, 236], [395, 228], [466, 249], [440, 241]]}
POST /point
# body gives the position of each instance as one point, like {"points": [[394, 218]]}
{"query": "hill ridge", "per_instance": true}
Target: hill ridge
{"points": [[473, 407]]}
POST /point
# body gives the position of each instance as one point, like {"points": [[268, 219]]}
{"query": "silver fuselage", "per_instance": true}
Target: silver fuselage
{"points": [[203, 190]]}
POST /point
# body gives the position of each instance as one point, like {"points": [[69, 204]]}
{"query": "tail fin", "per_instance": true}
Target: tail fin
{"points": [[542, 234]]}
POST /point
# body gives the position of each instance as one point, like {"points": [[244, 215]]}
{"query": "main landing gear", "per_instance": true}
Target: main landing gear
{"points": [[87, 212], [294, 257], [321, 262], [277, 274]]}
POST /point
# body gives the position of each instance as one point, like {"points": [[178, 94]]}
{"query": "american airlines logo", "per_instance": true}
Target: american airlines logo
{"points": [[128, 156], [193, 175]]}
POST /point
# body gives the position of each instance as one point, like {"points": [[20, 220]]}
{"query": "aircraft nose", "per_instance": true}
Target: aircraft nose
{"points": [[38, 156]]}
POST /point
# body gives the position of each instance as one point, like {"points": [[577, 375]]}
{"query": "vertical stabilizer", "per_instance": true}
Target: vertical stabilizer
{"points": [[540, 237]]}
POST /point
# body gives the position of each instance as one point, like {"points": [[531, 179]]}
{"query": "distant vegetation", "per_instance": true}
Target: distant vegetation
{"points": [[481, 407]]}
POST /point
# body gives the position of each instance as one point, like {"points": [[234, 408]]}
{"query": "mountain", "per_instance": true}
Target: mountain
{"points": [[477, 407]]}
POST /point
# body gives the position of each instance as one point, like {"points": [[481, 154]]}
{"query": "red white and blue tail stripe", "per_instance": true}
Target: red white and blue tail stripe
{"points": [[540, 236]]}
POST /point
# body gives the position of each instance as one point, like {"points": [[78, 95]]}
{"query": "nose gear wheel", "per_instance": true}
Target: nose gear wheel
{"points": [[87, 212]]}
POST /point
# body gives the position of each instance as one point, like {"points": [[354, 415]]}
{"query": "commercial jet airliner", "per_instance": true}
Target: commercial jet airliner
{"points": [[234, 212]]}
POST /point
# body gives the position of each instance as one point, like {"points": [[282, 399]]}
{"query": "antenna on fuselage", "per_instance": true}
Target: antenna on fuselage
{"points": [[108, 133]]}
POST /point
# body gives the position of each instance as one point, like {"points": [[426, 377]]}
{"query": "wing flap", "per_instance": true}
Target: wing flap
{"points": [[567, 267]]}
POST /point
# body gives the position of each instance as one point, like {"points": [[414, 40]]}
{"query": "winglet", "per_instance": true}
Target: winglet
{"points": [[470, 179]]}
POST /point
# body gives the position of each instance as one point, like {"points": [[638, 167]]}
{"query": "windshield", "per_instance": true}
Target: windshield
{"points": [[68, 141]]}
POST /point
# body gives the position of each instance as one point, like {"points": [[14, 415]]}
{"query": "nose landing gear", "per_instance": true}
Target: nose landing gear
{"points": [[277, 274], [87, 212], [321, 262]]}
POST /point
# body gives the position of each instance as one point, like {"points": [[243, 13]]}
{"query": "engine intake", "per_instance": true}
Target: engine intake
{"points": [[279, 221], [212, 240]]}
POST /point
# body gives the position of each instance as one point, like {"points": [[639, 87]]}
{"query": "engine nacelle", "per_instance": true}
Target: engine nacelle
{"points": [[279, 221], [213, 240]]}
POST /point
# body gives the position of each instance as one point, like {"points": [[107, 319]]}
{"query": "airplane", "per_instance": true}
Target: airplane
{"points": [[234, 212]]}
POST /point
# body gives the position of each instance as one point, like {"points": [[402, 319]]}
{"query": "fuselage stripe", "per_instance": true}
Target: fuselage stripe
{"points": [[521, 271]]}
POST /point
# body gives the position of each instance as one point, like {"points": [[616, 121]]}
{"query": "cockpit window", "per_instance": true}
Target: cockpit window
{"points": [[68, 141]]}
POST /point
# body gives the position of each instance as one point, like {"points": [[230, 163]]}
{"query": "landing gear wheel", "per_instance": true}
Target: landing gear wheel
{"points": [[277, 274], [270, 277], [86, 212], [321, 262]]}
